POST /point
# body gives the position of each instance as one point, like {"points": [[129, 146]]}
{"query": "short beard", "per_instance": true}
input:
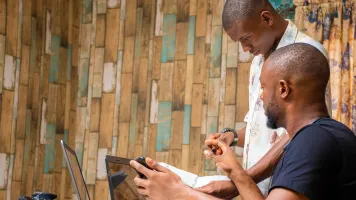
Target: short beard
{"points": [[272, 119]]}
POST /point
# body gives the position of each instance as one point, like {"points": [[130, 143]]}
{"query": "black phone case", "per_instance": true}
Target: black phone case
{"points": [[142, 161]]}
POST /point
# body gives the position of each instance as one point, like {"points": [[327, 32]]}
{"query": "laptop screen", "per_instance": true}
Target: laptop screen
{"points": [[76, 172]]}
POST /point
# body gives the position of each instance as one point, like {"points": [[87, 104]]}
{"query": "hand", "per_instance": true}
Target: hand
{"points": [[274, 138], [160, 184], [227, 160], [220, 189], [227, 138]]}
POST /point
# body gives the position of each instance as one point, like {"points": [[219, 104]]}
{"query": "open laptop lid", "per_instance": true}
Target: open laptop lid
{"points": [[75, 172]]}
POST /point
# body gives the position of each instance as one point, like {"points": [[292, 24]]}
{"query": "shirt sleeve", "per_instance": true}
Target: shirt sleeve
{"points": [[247, 117], [310, 163]]}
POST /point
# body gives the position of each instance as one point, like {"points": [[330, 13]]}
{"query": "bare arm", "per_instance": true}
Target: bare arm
{"points": [[241, 135]]}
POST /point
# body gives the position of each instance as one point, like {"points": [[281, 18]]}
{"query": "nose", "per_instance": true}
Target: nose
{"points": [[245, 47], [261, 95]]}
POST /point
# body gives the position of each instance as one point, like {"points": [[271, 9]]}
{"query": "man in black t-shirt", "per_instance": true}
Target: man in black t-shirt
{"points": [[319, 162]]}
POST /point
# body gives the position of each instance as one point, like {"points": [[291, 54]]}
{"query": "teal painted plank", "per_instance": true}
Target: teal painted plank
{"points": [[137, 51], [215, 57], [164, 126], [87, 10], [79, 149], [132, 136], [83, 79], [33, 46], [191, 35], [49, 148], [212, 125], [186, 123], [168, 38], [118, 78], [69, 62], [65, 139], [54, 64]]}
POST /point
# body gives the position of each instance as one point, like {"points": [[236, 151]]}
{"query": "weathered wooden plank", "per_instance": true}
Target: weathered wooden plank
{"points": [[181, 41], [74, 88], [159, 18], [58, 153], [156, 59], [206, 72], [152, 134], [185, 157], [194, 151], [87, 11], [125, 97], [101, 6], [208, 29], [26, 37], [101, 169], [60, 108], [49, 154], [25, 59], [109, 77], [93, 141], [83, 82], [62, 72], [98, 72], [9, 72], [85, 40], [242, 89], [64, 22], [138, 34], [186, 123], [2, 60], [128, 60], [4, 165], [154, 102], [100, 31], [15, 192], [106, 120], [204, 119], [197, 98], [133, 126], [175, 158], [201, 12], [142, 80], [3, 19], [130, 18], [212, 125], [21, 113], [48, 32], [179, 84], [147, 26], [164, 125], [191, 35], [168, 38], [183, 10], [231, 81], [177, 130], [221, 116], [6, 120], [95, 114], [123, 142], [162, 156], [166, 81], [230, 116], [52, 103], [217, 12], [12, 27], [112, 35], [169, 6], [232, 54], [213, 100], [199, 60], [215, 57], [223, 79], [54, 66], [189, 80]]}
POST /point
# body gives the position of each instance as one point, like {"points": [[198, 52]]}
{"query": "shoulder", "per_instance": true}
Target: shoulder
{"points": [[304, 38]]}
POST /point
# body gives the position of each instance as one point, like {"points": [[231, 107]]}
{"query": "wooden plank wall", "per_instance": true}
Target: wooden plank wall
{"points": [[119, 77]]}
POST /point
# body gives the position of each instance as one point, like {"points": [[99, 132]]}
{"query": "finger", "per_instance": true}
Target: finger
{"points": [[156, 166], [140, 182], [218, 143], [273, 137], [144, 170], [142, 191], [214, 136], [211, 155]]}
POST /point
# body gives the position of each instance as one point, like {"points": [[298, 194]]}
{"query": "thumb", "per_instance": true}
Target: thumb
{"points": [[209, 154], [273, 137], [155, 165]]}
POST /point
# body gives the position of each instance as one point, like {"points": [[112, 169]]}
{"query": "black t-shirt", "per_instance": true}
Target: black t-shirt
{"points": [[319, 162]]}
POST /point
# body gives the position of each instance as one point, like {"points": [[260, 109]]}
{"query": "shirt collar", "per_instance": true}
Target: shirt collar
{"points": [[289, 35]]}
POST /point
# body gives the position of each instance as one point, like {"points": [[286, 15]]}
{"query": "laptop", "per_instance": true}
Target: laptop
{"points": [[75, 172]]}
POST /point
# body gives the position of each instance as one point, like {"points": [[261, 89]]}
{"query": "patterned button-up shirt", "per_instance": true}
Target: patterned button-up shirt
{"points": [[257, 139]]}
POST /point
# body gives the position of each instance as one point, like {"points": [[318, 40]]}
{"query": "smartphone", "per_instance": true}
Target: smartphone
{"points": [[142, 161]]}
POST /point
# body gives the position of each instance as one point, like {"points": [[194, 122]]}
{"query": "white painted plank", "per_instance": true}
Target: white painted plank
{"points": [[9, 72], [154, 103], [109, 77], [4, 165], [101, 168], [159, 18]]}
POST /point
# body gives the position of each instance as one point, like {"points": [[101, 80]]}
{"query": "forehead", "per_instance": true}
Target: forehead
{"points": [[240, 28], [267, 71]]}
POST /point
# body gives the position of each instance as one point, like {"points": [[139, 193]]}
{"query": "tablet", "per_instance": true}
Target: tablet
{"points": [[121, 179]]}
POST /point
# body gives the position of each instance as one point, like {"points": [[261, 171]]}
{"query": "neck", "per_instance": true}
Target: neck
{"points": [[280, 26], [297, 118]]}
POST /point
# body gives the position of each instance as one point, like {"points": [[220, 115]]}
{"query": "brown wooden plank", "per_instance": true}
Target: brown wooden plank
{"points": [[92, 157], [170, 6], [217, 12], [62, 74], [185, 157], [15, 192], [183, 10], [179, 77], [76, 13], [204, 120], [21, 112], [12, 27], [229, 116], [25, 60], [123, 143], [95, 114], [127, 66], [162, 156], [52, 103], [200, 28], [45, 75], [166, 80], [18, 162], [152, 133], [197, 98], [58, 154], [3, 19], [177, 130], [199, 60], [189, 80], [242, 91], [101, 189], [175, 158], [213, 101], [75, 51], [64, 22], [125, 97], [194, 151], [74, 87], [100, 30], [60, 108], [230, 89], [221, 116], [142, 80], [6, 120], [112, 34], [156, 59], [26, 37], [181, 41], [147, 20], [130, 22], [106, 120]]}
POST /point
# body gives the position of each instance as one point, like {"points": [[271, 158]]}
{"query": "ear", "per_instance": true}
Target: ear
{"points": [[267, 18], [284, 89]]}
